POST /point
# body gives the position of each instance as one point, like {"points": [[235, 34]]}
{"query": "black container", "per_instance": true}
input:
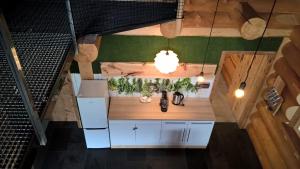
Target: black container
{"points": [[178, 98], [164, 102]]}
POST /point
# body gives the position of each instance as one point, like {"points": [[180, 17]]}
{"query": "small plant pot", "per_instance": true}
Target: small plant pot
{"points": [[145, 99]]}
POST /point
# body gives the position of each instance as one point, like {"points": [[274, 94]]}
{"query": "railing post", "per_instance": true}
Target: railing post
{"points": [[16, 68]]}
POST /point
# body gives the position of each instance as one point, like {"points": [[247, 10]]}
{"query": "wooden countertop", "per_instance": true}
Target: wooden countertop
{"points": [[130, 108]]}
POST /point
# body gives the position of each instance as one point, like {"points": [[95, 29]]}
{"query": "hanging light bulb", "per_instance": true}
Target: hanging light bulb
{"points": [[239, 93], [166, 61], [201, 78]]}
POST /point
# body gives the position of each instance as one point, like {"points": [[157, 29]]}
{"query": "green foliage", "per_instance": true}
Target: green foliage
{"points": [[139, 85], [146, 88], [128, 88], [112, 84], [121, 85]]}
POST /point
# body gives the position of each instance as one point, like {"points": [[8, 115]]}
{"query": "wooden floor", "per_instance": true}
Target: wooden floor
{"points": [[65, 108], [229, 148]]}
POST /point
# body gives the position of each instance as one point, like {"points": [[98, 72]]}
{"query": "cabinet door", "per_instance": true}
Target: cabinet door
{"points": [[147, 132], [198, 133], [173, 133], [93, 112], [122, 132], [98, 138]]}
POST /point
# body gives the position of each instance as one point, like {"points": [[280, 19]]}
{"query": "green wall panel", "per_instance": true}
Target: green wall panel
{"points": [[116, 48]]}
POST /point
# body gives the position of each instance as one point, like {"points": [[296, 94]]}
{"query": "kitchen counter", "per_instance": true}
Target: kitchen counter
{"points": [[130, 108]]}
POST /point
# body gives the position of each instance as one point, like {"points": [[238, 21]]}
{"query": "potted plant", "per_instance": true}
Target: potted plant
{"points": [[146, 93]]}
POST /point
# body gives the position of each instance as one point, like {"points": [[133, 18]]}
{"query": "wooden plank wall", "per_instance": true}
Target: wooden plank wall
{"points": [[234, 69], [275, 141]]}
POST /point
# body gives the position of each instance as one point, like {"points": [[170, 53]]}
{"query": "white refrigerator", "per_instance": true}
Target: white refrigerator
{"points": [[93, 102]]}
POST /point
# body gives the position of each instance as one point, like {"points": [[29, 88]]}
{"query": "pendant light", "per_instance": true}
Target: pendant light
{"points": [[240, 92], [201, 78], [166, 61]]}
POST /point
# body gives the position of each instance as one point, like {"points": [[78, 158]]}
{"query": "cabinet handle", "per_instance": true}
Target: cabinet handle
{"points": [[182, 139], [188, 135]]}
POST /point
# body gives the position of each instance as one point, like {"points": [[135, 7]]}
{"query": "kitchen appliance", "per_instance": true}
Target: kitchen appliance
{"points": [[178, 98], [93, 100], [164, 102]]}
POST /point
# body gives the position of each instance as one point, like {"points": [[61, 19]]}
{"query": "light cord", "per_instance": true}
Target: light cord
{"points": [[260, 40], [208, 41]]}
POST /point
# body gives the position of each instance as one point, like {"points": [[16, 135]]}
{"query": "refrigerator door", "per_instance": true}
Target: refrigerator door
{"points": [[96, 138], [93, 112]]}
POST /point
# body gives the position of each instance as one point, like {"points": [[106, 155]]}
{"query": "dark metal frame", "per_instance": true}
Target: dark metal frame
{"points": [[16, 68], [71, 23]]}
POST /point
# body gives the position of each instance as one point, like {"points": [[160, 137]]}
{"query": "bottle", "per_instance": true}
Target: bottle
{"points": [[164, 102]]}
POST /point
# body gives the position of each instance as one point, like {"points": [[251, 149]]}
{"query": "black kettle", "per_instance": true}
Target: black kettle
{"points": [[178, 98]]}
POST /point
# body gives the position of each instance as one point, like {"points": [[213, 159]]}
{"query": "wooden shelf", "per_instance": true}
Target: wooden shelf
{"points": [[130, 108]]}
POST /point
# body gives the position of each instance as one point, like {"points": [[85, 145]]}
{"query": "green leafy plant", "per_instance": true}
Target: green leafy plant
{"points": [[146, 90], [128, 87], [166, 85], [121, 85], [139, 85], [112, 84], [176, 86]]}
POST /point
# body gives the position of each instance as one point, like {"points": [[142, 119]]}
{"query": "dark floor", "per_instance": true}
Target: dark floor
{"points": [[229, 148]]}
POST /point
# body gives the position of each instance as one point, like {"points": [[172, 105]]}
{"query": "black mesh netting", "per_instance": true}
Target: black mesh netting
{"points": [[107, 16], [15, 127], [41, 34]]}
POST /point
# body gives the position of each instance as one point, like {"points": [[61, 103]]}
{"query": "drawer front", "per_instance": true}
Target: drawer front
{"points": [[97, 138]]}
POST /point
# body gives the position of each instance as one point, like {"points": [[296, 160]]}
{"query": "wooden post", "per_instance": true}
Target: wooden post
{"points": [[292, 56], [88, 48], [276, 132], [295, 36], [271, 79], [262, 155], [267, 142], [171, 29], [290, 78], [254, 25]]}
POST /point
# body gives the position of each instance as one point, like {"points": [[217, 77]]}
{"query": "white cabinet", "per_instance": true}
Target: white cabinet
{"points": [[92, 100], [122, 132], [125, 133], [172, 133], [156, 133], [186, 133], [93, 112], [198, 133], [96, 138], [147, 133]]}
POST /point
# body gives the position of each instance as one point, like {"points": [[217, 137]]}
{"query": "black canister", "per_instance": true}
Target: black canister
{"points": [[164, 102]]}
